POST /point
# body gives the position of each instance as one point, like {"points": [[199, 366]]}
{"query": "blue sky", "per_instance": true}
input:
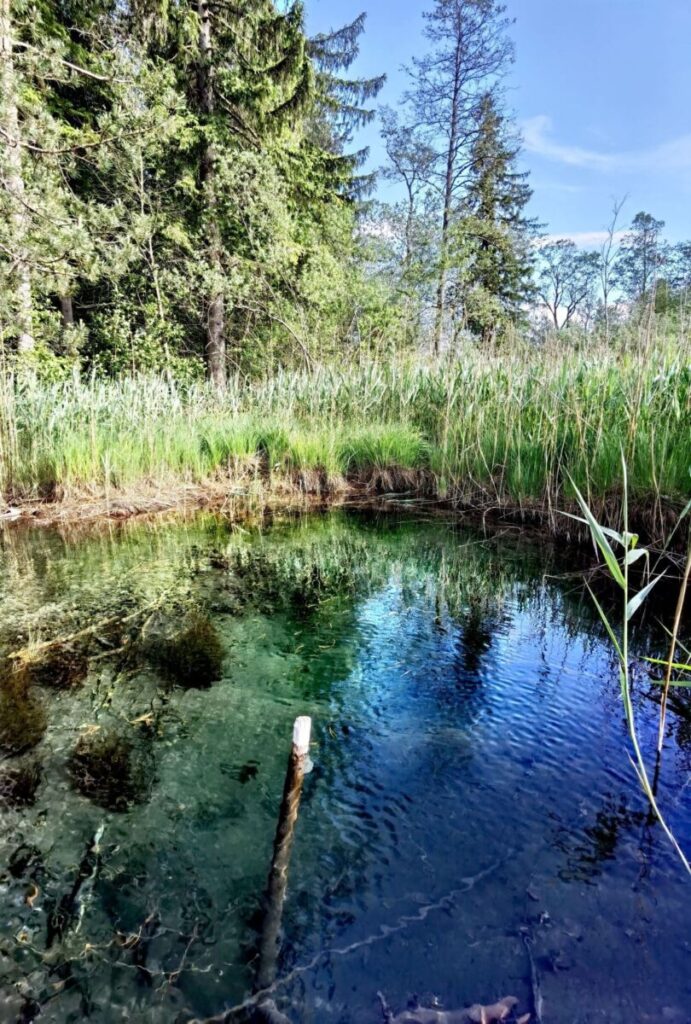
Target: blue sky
{"points": [[600, 88]]}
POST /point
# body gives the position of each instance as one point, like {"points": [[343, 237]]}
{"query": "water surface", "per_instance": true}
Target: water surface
{"points": [[471, 828]]}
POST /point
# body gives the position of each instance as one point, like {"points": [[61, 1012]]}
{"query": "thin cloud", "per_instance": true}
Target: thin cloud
{"points": [[672, 155], [583, 239]]}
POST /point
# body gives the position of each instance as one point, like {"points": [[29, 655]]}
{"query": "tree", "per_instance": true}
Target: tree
{"points": [[411, 161], [566, 281], [341, 103], [247, 78], [500, 258], [45, 223], [680, 267], [642, 255], [608, 262], [14, 248], [470, 50]]}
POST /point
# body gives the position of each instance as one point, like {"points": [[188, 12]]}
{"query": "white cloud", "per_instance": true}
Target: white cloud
{"points": [[672, 155], [583, 239]]}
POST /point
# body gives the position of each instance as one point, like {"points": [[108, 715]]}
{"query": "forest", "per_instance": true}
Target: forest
{"points": [[190, 235]]}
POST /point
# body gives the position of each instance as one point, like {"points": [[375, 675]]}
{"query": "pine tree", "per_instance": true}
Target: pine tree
{"points": [[498, 233], [470, 50]]}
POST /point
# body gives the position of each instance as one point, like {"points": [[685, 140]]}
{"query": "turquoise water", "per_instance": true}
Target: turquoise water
{"points": [[471, 829]]}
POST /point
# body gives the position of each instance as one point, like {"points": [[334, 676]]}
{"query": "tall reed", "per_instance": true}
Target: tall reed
{"points": [[619, 569], [508, 429]]}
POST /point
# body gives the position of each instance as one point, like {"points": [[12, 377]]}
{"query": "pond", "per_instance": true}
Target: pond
{"points": [[472, 826]]}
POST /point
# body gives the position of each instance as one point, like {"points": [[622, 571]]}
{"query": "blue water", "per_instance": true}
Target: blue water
{"points": [[472, 827]]}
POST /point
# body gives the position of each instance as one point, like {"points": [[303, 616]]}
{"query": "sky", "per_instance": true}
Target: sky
{"points": [[601, 91]]}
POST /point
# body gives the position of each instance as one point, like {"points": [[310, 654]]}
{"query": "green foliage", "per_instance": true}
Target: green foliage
{"points": [[499, 261], [168, 159]]}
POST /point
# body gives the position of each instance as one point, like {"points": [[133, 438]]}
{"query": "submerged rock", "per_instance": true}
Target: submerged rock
{"points": [[22, 716], [19, 784], [193, 658], [60, 668], [113, 771]]}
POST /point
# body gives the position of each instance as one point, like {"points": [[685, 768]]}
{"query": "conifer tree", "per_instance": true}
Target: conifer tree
{"points": [[498, 232], [341, 106], [470, 51]]}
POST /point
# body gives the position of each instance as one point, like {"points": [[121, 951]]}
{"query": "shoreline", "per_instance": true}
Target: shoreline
{"points": [[652, 519]]}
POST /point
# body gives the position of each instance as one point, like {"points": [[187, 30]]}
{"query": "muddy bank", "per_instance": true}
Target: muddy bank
{"points": [[652, 519]]}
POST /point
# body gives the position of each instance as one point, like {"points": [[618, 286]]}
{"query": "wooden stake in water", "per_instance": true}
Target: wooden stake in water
{"points": [[298, 766]]}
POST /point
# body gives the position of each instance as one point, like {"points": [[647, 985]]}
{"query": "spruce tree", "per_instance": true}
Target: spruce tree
{"points": [[247, 76], [497, 231], [342, 104]]}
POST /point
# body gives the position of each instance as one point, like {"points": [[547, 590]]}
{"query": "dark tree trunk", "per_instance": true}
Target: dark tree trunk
{"points": [[448, 201], [67, 311], [14, 182], [215, 315]]}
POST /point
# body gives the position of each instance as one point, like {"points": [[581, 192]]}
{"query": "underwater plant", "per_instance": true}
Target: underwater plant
{"points": [[193, 658], [22, 716], [60, 668], [19, 783], [111, 770]]}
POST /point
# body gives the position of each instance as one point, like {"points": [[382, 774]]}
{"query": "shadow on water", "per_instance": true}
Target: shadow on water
{"points": [[471, 828]]}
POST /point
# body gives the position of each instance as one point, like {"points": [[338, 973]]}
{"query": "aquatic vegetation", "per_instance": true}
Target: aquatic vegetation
{"points": [[501, 430], [19, 783], [22, 715], [619, 568], [192, 658], [59, 668], [112, 770]]}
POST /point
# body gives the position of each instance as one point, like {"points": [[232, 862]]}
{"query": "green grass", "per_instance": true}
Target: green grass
{"points": [[493, 429]]}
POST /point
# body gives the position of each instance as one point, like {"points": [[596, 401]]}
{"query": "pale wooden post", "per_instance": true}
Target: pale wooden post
{"points": [[298, 765]]}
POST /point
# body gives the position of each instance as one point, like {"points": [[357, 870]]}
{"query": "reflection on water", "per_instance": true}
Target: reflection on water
{"points": [[471, 829]]}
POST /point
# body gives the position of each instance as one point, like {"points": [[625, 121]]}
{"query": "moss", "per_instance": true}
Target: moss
{"points": [[19, 784], [61, 668], [194, 657], [111, 770], [22, 716]]}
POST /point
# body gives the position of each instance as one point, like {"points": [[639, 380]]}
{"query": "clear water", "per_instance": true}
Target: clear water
{"points": [[472, 827]]}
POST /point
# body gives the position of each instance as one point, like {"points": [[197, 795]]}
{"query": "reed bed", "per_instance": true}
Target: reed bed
{"points": [[502, 430]]}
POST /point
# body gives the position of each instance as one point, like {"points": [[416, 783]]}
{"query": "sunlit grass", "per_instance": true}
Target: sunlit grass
{"points": [[508, 429]]}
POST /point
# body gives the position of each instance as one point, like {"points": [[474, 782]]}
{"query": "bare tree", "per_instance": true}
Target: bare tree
{"points": [[608, 259], [470, 50]]}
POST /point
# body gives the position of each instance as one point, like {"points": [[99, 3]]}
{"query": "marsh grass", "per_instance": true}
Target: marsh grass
{"points": [[506, 430]]}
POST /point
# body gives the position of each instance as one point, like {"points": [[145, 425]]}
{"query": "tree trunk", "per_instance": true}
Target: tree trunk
{"points": [[215, 314], [448, 199], [14, 182], [67, 311]]}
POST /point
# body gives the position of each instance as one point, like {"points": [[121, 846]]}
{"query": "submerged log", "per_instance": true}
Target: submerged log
{"points": [[476, 1014], [298, 765], [69, 911]]}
